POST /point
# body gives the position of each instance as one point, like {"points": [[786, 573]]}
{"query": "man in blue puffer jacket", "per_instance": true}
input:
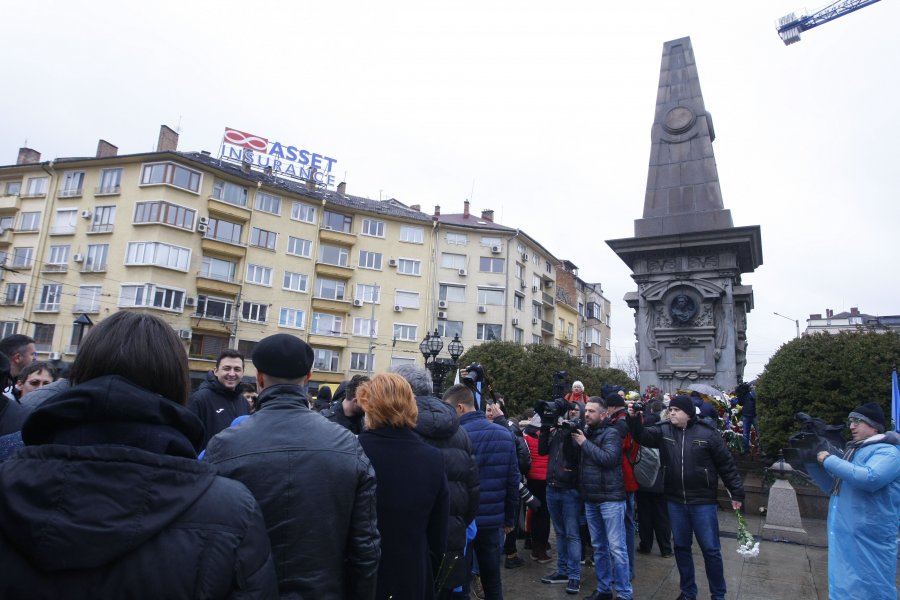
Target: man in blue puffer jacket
{"points": [[498, 472], [864, 510]]}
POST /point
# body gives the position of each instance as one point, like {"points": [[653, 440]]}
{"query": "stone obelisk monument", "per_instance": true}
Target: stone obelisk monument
{"points": [[686, 255]]}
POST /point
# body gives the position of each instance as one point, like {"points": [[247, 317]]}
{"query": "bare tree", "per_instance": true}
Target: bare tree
{"points": [[629, 364]]}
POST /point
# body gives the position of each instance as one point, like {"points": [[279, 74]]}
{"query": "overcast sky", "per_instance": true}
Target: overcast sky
{"points": [[539, 111]]}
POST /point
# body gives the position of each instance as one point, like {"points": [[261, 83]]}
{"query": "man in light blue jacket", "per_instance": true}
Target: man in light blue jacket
{"points": [[864, 511]]}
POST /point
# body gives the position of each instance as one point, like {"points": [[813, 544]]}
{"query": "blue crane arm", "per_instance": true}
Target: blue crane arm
{"points": [[790, 26]]}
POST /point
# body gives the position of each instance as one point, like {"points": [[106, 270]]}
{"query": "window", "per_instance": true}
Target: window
{"points": [[168, 173], [95, 259], [50, 296], [231, 193], [64, 222], [405, 332], [518, 302], [453, 261], [406, 299], [560, 325], [209, 307], [71, 184], [592, 336], [246, 347], [370, 260], [295, 282], [537, 310], [536, 282], [158, 254], [361, 361], [332, 289], [449, 329], [520, 271], [396, 361], [165, 213], [262, 238], [412, 235], [8, 328], [373, 227], [334, 255], [365, 327], [31, 221], [327, 360], [259, 275], [103, 220], [489, 332], [337, 221], [369, 293], [570, 331], [217, 268], [457, 239], [36, 187], [22, 257], [207, 346], [43, 336], [151, 295], [325, 324], [518, 335], [548, 267], [254, 311], [593, 311], [8, 222], [88, 300], [59, 255], [491, 241], [110, 181], [452, 293], [15, 293], [291, 317], [536, 339], [408, 266], [268, 203], [489, 264], [12, 189], [303, 212], [299, 247], [491, 296], [224, 231]]}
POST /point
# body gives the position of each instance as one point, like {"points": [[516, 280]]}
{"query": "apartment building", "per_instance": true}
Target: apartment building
{"points": [[594, 324]]}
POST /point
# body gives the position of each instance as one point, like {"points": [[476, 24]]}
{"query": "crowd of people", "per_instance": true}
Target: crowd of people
{"points": [[117, 481]]}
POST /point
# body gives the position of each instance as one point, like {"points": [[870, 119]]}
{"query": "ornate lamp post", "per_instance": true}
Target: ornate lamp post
{"points": [[430, 347]]}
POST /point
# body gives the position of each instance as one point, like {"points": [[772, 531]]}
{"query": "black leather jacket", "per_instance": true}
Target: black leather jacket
{"points": [[694, 458], [562, 464]]}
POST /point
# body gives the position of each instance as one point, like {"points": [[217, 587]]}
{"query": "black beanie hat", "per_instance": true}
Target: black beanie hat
{"points": [[615, 401], [871, 413], [283, 355], [684, 403]]}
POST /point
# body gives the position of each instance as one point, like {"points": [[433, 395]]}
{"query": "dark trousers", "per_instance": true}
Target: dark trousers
{"points": [[540, 519], [653, 519], [486, 546], [509, 544]]}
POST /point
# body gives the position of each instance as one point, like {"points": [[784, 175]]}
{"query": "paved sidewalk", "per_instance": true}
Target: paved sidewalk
{"points": [[783, 570]]}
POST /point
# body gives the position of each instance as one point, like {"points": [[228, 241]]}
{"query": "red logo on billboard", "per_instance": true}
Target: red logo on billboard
{"points": [[246, 140]]}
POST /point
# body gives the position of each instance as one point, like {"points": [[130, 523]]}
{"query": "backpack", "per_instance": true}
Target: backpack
{"points": [[646, 467]]}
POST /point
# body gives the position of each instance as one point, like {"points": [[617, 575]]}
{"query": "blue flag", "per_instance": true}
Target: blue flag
{"points": [[895, 401]]}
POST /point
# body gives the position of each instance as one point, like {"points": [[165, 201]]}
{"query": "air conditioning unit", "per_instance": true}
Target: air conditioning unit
{"points": [[523, 285], [496, 249], [534, 321], [515, 321], [357, 302], [202, 227], [86, 214], [534, 288], [328, 228], [392, 262], [184, 334], [525, 256], [203, 220], [190, 301], [55, 356], [78, 257], [482, 309], [587, 344], [442, 304], [442, 314], [462, 272], [548, 284], [398, 308]]}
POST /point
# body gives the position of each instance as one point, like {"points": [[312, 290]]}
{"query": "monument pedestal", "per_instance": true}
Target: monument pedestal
{"points": [[783, 522]]}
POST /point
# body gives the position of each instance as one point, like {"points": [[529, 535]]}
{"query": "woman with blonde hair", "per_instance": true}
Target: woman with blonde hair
{"points": [[412, 493]]}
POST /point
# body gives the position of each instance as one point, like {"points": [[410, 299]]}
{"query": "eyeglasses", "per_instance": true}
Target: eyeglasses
{"points": [[854, 421]]}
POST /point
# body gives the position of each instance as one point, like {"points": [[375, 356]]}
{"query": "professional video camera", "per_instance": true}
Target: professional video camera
{"points": [[551, 410], [559, 384]]}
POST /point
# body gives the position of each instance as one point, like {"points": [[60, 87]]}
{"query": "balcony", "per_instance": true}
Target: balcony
{"points": [[230, 212], [93, 268], [201, 323], [109, 190], [47, 307], [338, 306], [548, 299], [217, 285], [331, 270], [546, 327], [10, 204], [62, 230], [11, 302], [54, 268], [6, 236], [211, 245], [100, 228], [86, 308], [69, 193], [330, 341], [337, 237]]}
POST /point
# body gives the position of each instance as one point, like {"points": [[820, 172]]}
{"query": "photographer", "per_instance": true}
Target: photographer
{"points": [[563, 501]]}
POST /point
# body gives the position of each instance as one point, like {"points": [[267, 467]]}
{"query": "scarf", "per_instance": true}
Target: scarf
{"points": [[849, 452]]}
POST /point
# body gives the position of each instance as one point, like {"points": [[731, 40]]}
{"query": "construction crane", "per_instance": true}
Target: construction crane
{"points": [[790, 26]]}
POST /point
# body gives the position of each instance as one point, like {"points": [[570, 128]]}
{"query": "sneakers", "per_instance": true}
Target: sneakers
{"points": [[573, 587], [539, 554], [599, 596], [683, 597], [513, 562], [666, 554], [555, 577]]}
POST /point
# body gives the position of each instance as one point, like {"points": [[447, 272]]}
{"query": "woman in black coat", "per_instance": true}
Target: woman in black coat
{"points": [[412, 493]]}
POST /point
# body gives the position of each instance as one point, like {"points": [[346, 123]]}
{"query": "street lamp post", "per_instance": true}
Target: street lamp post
{"points": [[796, 322], [430, 347]]}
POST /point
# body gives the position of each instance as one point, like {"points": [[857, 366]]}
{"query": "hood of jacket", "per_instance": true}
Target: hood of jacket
{"points": [[437, 419], [107, 466]]}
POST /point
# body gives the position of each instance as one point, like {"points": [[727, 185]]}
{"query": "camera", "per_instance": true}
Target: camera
{"points": [[559, 384], [528, 497], [572, 425], [551, 410], [638, 406], [474, 374]]}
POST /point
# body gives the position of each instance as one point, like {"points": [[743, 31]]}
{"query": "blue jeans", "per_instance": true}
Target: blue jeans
{"points": [[565, 509], [700, 521], [487, 551], [748, 421], [630, 529], [606, 521]]}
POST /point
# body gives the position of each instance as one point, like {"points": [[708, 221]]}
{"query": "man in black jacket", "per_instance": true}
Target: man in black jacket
{"points": [[217, 402], [314, 483], [344, 410], [694, 457]]}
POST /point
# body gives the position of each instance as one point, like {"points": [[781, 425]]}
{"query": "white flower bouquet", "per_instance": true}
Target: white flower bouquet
{"points": [[747, 546]]}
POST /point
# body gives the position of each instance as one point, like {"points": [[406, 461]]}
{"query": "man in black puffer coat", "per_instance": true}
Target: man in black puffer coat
{"points": [[438, 425]]}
